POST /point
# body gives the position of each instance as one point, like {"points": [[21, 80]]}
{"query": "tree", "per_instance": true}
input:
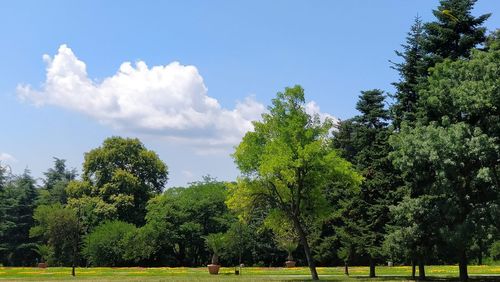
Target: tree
{"points": [[183, 216], [17, 202], [118, 180], [59, 228], [286, 163], [55, 183], [105, 246], [368, 139], [411, 72], [456, 157], [238, 240], [454, 33], [215, 242], [285, 236]]}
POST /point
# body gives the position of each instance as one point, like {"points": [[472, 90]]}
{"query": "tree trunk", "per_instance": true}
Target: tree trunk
{"points": [[307, 250], [372, 267], [413, 269], [462, 267], [480, 254], [346, 268], [421, 269]]}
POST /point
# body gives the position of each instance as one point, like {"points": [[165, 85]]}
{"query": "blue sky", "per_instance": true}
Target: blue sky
{"points": [[232, 55]]}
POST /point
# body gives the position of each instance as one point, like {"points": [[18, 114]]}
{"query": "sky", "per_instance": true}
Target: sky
{"points": [[185, 77]]}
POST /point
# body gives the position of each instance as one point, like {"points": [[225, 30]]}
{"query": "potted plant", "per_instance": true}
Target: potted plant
{"points": [[44, 251], [287, 241], [285, 236], [215, 243]]}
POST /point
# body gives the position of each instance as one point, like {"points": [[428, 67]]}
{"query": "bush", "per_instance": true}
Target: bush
{"points": [[105, 245], [495, 250]]}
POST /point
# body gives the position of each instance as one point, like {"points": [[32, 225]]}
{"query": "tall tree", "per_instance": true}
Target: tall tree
{"points": [[118, 180], [369, 135], [59, 228], [16, 209], [454, 33], [453, 149], [55, 183], [411, 71], [287, 163]]}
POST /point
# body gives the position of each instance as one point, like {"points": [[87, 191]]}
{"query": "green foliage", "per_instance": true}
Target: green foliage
{"points": [[59, 228], [55, 183], [365, 213], [181, 217], [17, 202], [287, 164], [411, 71], [285, 235], [44, 251], [455, 32], [495, 250], [118, 180], [106, 245]]}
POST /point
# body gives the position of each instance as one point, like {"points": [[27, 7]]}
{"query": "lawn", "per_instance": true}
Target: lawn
{"points": [[397, 273]]}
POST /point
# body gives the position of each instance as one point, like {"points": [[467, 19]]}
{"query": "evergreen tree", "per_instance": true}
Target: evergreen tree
{"points": [[411, 71], [16, 208], [55, 183], [367, 139], [454, 33]]}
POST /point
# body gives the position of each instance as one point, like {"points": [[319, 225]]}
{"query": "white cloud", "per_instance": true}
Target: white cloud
{"points": [[313, 109], [170, 101], [8, 158]]}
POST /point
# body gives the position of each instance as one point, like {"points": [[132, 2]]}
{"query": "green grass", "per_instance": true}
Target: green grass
{"points": [[397, 273]]}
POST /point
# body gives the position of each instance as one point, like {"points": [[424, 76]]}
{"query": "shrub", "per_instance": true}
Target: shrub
{"points": [[495, 250], [105, 245]]}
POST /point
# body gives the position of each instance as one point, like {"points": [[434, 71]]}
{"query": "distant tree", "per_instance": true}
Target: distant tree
{"points": [[17, 203], [105, 246], [118, 180], [183, 216], [287, 163], [59, 228], [239, 238], [55, 183]]}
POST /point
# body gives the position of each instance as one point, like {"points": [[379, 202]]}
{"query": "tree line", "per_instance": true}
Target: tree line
{"points": [[415, 182]]}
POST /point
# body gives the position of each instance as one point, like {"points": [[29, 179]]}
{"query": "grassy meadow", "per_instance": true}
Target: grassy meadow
{"points": [[396, 273]]}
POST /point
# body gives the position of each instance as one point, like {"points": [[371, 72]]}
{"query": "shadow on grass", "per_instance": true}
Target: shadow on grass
{"points": [[400, 278]]}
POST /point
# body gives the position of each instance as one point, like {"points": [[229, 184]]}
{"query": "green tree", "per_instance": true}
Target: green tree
{"points": [[55, 183], [17, 203], [183, 216], [287, 162], [457, 157], [455, 32], [105, 246], [59, 228], [368, 139], [215, 242], [411, 72], [118, 180]]}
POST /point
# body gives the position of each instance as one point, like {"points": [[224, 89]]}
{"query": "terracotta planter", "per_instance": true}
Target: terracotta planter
{"points": [[290, 263], [42, 265], [213, 268]]}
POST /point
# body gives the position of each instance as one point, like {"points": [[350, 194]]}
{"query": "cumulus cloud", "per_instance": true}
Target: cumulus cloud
{"points": [[8, 158], [169, 100]]}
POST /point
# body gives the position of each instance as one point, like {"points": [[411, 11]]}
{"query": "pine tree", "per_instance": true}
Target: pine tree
{"points": [[411, 71], [454, 33], [366, 136]]}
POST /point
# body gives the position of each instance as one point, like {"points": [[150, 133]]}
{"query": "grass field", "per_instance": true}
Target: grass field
{"points": [[397, 273]]}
